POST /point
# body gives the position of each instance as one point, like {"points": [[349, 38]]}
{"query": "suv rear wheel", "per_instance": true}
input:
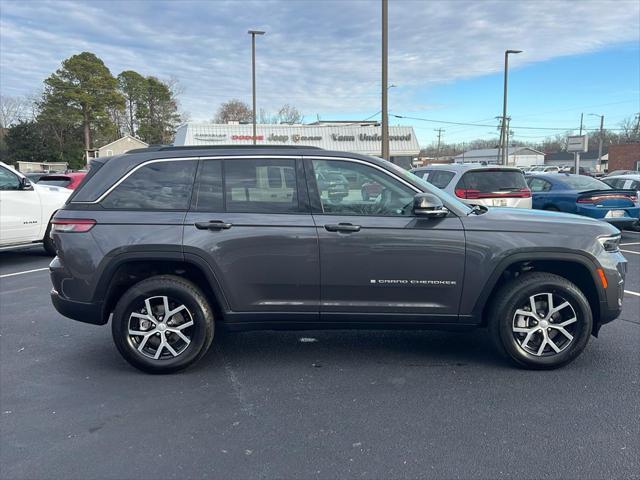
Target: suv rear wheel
{"points": [[540, 321], [162, 324]]}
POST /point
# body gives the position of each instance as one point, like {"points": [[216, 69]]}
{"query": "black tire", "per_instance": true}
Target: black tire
{"points": [[365, 195], [180, 292], [47, 242], [516, 294]]}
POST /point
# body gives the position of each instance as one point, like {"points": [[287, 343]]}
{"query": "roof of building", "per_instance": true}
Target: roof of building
{"points": [[130, 137], [494, 152]]}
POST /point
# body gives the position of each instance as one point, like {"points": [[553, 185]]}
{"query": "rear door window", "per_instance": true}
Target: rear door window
{"points": [[208, 192], [164, 185], [539, 185], [489, 181], [261, 186]]}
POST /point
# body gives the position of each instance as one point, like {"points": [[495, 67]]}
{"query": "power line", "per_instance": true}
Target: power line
{"points": [[480, 124]]}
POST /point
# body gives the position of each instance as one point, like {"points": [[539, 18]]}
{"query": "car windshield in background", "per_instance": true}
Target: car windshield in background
{"points": [[55, 181], [494, 180], [582, 182]]}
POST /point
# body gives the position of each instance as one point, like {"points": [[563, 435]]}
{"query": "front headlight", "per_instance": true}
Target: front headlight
{"points": [[610, 243]]}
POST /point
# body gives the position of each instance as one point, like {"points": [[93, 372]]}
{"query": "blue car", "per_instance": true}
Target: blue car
{"points": [[586, 196]]}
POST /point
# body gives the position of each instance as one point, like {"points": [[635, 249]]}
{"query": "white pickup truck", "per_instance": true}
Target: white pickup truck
{"points": [[25, 210]]}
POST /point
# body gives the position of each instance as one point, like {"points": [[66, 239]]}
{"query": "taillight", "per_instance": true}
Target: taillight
{"points": [[613, 196], [467, 193], [72, 224]]}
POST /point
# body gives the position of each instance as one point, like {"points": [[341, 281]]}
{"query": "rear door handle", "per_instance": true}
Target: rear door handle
{"points": [[342, 227], [213, 225]]}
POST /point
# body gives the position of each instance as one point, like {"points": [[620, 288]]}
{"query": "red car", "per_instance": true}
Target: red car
{"points": [[66, 180]]}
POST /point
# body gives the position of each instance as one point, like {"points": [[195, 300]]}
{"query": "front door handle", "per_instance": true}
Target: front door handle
{"points": [[213, 225], [342, 227]]}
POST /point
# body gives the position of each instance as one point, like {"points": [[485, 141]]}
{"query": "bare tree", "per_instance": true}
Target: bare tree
{"points": [[234, 111], [12, 110], [630, 129], [289, 114]]}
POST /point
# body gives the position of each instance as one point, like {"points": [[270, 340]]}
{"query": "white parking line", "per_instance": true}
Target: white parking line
{"points": [[629, 251], [632, 293], [22, 273], [627, 244]]}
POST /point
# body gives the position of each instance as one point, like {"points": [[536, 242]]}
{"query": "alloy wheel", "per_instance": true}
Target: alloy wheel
{"points": [[545, 325], [162, 329]]}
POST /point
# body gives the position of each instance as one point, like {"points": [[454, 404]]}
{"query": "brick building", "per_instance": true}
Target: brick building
{"points": [[624, 157]]}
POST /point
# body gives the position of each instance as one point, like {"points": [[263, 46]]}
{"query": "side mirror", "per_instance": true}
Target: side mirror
{"points": [[428, 205], [25, 184]]}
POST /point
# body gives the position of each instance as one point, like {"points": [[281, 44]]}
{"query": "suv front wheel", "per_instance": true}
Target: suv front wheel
{"points": [[162, 324], [540, 320]]}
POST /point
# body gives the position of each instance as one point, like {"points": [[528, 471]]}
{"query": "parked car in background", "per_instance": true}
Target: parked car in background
{"points": [[333, 184], [26, 209], [491, 186], [584, 195], [615, 173], [626, 181], [589, 172], [544, 169], [66, 180]]}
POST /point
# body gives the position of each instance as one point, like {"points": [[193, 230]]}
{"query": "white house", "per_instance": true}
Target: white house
{"points": [[516, 156], [121, 145]]}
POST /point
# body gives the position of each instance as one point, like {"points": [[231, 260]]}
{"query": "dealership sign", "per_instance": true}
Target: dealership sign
{"points": [[210, 137]]}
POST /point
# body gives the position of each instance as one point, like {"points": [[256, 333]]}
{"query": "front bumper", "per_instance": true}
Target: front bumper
{"points": [[80, 311]]}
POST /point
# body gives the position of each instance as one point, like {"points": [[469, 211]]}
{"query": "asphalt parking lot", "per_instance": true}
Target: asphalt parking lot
{"points": [[340, 404]]}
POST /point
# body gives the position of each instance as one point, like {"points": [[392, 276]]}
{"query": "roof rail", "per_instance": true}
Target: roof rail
{"points": [[168, 148]]}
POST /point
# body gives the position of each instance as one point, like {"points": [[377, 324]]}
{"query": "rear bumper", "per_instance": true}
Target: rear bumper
{"points": [[80, 311]]}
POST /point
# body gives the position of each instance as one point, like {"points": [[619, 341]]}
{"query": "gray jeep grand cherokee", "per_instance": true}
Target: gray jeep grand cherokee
{"points": [[172, 243]]}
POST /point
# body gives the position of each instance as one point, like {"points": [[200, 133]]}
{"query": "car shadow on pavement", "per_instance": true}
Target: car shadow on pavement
{"points": [[355, 348]]}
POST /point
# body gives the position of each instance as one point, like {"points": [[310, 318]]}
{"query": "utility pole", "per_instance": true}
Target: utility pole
{"points": [[600, 142], [499, 159], [385, 80], [253, 34], [581, 118], [506, 143], [439, 130]]}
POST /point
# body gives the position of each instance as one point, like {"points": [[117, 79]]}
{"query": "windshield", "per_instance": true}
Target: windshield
{"points": [[55, 181], [427, 187], [582, 182]]}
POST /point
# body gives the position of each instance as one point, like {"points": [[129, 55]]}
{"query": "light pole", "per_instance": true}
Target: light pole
{"points": [[253, 34], [504, 105], [599, 139], [385, 80]]}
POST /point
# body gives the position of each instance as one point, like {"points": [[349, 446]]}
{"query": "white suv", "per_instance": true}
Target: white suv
{"points": [[25, 210], [475, 184]]}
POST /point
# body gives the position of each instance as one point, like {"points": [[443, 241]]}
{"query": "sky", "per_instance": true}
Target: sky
{"points": [[446, 58]]}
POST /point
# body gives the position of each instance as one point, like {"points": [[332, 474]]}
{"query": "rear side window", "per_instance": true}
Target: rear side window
{"points": [[261, 186], [440, 178], [538, 185], [487, 181], [55, 181], [156, 186]]}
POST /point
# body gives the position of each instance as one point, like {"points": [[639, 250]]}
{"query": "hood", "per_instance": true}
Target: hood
{"points": [[537, 221]]}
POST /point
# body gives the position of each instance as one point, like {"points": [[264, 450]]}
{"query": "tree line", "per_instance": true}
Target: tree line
{"points": [[83, 106]]}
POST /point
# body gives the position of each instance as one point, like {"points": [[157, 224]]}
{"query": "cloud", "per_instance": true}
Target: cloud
{"points": [[320, 56]]}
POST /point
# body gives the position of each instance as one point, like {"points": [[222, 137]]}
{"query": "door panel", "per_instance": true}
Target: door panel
{"points": [[392, 265], [376, 257], [256, 232]]}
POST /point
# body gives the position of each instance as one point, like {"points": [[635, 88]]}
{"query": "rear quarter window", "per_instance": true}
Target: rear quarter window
{"points": [[155, 186]]}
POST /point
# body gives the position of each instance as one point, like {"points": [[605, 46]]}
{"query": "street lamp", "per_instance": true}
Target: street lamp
{"points": [[253, 34], [503, 136], [385, 86], [599, 139]]}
